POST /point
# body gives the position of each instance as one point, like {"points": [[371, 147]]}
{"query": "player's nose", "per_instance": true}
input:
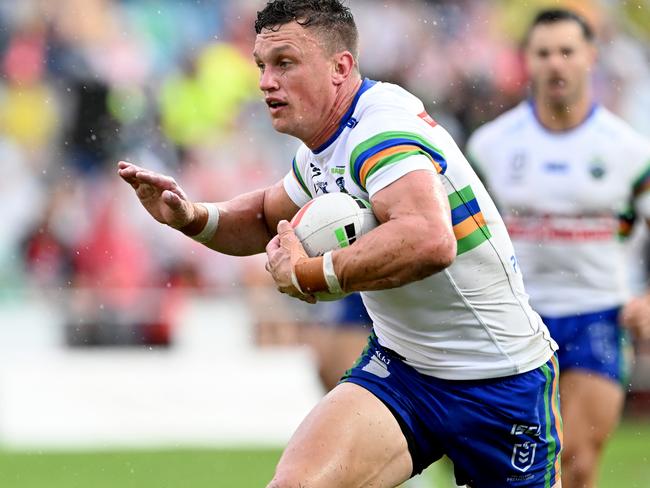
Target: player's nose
{"points": [[268, 81]]}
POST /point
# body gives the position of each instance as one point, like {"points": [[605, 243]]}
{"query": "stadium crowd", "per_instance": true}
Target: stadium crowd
{"points": [[171, 84]]}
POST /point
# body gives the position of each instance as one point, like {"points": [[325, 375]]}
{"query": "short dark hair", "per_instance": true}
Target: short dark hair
{"points": [[552, 16], [331, 18]]}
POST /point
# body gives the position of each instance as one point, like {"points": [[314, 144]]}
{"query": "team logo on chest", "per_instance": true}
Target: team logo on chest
{"points": [[597, 168]]}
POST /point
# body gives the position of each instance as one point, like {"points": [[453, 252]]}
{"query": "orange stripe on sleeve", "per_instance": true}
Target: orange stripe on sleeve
{"points": [[375, 158], [469, 225]]}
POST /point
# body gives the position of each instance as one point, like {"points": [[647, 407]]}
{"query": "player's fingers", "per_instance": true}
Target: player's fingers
{"points": [[273, 246], [284, 227], [153, 179], [286, 234], [172, 200], [128, 174], [124, 164]]}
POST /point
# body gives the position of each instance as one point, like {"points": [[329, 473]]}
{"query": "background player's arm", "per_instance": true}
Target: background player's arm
{"points": [[246, 223], [415, 238]]}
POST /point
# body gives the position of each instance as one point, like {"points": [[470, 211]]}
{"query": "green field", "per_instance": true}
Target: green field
{"points": [[626, 464]]}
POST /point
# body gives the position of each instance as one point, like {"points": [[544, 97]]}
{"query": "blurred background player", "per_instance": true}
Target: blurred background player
{"points": [[571, 179]]}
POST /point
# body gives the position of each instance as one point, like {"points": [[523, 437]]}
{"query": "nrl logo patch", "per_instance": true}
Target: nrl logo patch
{"points": [[523, 456]]}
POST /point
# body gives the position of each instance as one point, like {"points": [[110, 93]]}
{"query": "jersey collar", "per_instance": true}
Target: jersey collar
{"points": [[592, 111], [365, 85]]}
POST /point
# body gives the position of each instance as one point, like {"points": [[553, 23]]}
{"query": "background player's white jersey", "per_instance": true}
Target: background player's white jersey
{"points": [[568, 199], [469, 321]]}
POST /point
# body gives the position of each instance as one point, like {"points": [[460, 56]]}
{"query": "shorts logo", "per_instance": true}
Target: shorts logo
{"points": [[523, 456], [521, 429], [378, 365]]}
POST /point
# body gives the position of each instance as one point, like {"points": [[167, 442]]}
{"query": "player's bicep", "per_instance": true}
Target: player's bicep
{"points": [[416, 194], [416, 208], [277, 206]]}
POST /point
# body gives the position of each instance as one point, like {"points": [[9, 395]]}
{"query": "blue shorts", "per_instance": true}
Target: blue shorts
{"points": [[499, 432], [592, 341], [352, 311]]}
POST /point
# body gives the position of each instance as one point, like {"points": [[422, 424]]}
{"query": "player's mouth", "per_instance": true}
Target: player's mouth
{"points": [[557, 83], [275, 105]]}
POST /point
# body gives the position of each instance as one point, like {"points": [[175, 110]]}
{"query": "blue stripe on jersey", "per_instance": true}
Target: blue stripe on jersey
{"points": [[464, 211], [368, 153]]}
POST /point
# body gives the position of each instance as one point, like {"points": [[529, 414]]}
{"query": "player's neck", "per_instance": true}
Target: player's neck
{"points": [[342, 103], [561, 117]]}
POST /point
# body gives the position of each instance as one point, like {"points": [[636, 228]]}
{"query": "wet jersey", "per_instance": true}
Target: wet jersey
{"points": [[470, 321], [568, 199]]}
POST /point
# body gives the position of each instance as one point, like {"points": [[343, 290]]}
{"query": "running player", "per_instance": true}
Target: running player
{"points": [[569, 178], [458, 363]]}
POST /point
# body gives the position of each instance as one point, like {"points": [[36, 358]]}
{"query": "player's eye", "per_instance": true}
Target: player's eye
{"points": [[566, 52]]}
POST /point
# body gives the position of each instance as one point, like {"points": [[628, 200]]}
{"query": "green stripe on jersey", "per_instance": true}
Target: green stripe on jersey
{"points": [[384, 136], [382, 163], [473, 240], [296, 172], [460, 197]]}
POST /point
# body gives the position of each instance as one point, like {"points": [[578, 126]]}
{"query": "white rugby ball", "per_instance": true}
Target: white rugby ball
{"points": [[332, 221]]}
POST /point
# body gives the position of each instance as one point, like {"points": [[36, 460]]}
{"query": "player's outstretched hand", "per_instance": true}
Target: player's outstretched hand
{"points": [[283, 252], [160, 195], [636, 316]]}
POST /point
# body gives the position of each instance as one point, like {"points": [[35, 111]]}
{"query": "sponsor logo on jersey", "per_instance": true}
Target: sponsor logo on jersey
{"points": [[315, 170], [549, 228], [556, 166], [378, 365], [340, 182], [522, 429], [320, 186]]}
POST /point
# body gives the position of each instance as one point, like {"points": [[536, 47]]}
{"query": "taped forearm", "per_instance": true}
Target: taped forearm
{"points": [[204, 224]]}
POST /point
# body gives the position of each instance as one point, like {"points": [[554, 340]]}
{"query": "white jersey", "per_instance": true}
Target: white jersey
{"points": [[568, 199], [470, 321]]}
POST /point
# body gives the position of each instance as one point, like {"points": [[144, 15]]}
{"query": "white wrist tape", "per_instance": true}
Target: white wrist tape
{"points": [[331, 279], [210, 228]]}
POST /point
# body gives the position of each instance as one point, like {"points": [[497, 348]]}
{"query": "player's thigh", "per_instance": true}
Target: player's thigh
{"points": [[350, 439], [591, 407]]}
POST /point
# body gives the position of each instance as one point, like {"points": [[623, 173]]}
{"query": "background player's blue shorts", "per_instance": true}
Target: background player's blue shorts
{"points": [[353, 312], [500, 432], [348, 312], [592, 341]]}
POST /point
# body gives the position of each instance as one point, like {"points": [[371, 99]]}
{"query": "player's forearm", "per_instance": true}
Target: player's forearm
{"points": [[394, 254], [242, 228]]}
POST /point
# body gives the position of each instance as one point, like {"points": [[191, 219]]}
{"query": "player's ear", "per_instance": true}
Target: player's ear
{"points": [[343, 65]]}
